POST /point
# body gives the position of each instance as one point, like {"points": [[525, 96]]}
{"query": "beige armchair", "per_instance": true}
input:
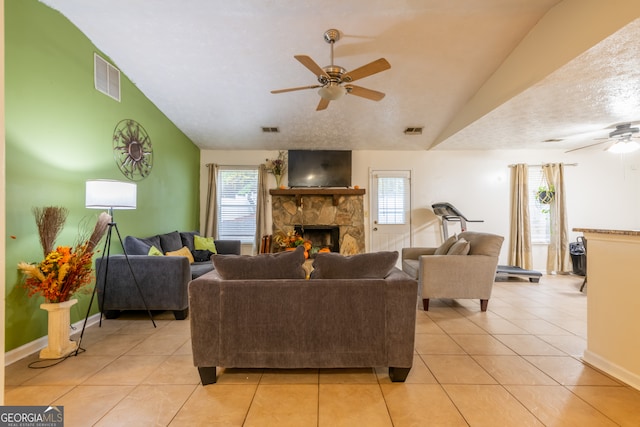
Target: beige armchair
{"points": [[443, 275]]}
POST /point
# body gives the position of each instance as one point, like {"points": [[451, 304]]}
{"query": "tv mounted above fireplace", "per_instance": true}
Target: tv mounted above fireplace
{"points": [[319, 168]]}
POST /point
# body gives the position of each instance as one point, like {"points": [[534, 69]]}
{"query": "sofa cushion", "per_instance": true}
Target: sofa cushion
{"points": [[187, 238], [374, 265], [201, 256], [281, 265], [460, 247], [204, 244], [411, 267], [184, 251], [483, 243], [153, 251], [170, 241], [140, 246], [200, 268], [443, 249]]}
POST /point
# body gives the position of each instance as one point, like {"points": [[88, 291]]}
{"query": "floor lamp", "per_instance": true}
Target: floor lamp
{"points": [[111, 195]]}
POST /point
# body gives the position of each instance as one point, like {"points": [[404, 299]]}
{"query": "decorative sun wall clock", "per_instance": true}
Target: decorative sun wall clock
{"points": [[132, 150]]}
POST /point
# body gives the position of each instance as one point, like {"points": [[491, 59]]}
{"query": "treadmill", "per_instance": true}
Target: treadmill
{"points": [[448, 213]]}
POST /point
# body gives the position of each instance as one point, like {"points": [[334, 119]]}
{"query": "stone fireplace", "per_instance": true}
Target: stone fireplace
{"points": [[338, 211], [320, 236]]}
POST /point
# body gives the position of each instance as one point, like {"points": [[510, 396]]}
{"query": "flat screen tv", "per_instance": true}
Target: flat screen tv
{"points": [[319, 168]]}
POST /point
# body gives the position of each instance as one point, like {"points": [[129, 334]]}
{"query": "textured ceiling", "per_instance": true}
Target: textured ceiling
{"points": [[209, 65]]}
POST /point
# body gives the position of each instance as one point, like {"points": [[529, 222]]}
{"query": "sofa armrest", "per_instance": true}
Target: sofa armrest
{"points": [[457, 276], [204, 318], [415, 253], [228, 247], [162, 280]]}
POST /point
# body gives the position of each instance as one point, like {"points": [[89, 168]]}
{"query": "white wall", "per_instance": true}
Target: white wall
{"points": [[603, 190]]}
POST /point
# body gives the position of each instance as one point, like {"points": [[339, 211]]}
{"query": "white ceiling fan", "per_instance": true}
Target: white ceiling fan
{"points": [[621, 140], [335, 81]]}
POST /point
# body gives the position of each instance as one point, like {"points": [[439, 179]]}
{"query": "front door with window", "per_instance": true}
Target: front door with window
{"points": [[390, 210]]}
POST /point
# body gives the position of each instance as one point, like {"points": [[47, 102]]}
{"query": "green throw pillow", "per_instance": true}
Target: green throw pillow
{"points": [[153, 251], [204, 243]]}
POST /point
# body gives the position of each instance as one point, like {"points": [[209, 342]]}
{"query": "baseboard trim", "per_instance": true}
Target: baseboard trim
{"points": [[37, 345], [616, 371]]}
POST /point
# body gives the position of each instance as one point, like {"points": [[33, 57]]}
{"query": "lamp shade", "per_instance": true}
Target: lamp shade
{"points": [[332, 92], [110, 194], [624, 146]]}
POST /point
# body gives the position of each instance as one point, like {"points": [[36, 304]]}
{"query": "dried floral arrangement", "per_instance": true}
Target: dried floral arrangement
{"points": [[65, 269]]}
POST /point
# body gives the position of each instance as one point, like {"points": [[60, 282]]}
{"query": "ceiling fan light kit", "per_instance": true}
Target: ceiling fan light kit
{"points": [[623, 146], [622, 138], [332, 77]]}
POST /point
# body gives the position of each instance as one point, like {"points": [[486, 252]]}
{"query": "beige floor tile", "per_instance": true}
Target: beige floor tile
{"points": [[185, 349], [420, 405], [573, 345], [289, 376], [352, 405], [455, 369], [513, 370], [497, 326], [538, 327], [481, 344], [114, 344], [282, 405], [528, 345], [436, 344], [424, 325], [618, 403], [158, 344], [141, 325], [216, 405], [148, 405], [239, 376], [19, 371], [126, 370], [557, 406], [41, 395], [348, 376], [419, 373], [459, 326], [73, 371], [176, 369], [490, 406], [85, 405], [569, 371]]}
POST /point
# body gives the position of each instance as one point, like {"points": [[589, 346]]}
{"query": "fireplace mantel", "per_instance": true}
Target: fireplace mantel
{"points": [[329, 192]]}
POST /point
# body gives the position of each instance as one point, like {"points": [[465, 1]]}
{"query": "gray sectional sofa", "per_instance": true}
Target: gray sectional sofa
{"points": [[163, 280], [261, 312]]}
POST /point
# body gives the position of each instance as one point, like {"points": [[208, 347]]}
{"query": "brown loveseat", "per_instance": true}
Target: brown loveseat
{"points": [[293, 322]]}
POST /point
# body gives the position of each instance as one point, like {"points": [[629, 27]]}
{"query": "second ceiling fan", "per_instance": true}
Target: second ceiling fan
{"points": [[334, 81]]}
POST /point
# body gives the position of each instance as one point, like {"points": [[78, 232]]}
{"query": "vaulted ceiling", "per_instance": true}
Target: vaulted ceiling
{"points": [[474, 74]]}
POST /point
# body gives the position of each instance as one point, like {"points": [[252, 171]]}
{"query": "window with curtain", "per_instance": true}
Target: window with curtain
{"points": [[237, 195], [538, 213]]}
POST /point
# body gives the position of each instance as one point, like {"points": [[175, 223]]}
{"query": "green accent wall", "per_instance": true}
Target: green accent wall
{"points": [[58, 135]]}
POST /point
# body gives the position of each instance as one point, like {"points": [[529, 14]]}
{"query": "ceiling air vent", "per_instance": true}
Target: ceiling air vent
{"points": [[413, 131], [270, 130], [106, 77]]}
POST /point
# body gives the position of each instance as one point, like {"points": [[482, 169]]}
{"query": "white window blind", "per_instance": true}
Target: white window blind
{"points": [[236, 198], [393, 199], [538, 213]]}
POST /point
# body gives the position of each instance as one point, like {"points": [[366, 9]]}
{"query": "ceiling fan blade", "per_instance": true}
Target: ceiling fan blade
{"points": [[311, 65], [587, 146], [295, 88], [367, 70], [373, 95], [323, 104]]}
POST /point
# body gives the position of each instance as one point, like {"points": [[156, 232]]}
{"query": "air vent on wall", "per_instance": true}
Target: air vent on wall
{"points": [[270, 129], [106, 77]]}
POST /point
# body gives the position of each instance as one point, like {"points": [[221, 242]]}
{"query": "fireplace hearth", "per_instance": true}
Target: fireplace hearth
{"points": [[320, 236]]}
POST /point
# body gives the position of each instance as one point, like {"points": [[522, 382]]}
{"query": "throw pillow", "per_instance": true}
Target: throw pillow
{"points": [[204, 243], [170, 241], [460, 247], [374, 265], [153, 251], [202, 256], [443, 249], [281, 265], [184, 251]]}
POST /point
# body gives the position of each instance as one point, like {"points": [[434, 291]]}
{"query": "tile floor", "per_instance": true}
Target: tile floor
{"points": [[516, 365]]}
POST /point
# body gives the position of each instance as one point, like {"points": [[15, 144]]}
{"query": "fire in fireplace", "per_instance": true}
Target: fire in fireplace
{"points": [[320, 236]]}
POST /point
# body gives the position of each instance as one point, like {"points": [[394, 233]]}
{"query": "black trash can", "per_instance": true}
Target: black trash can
{"points": [[578, 256]]}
